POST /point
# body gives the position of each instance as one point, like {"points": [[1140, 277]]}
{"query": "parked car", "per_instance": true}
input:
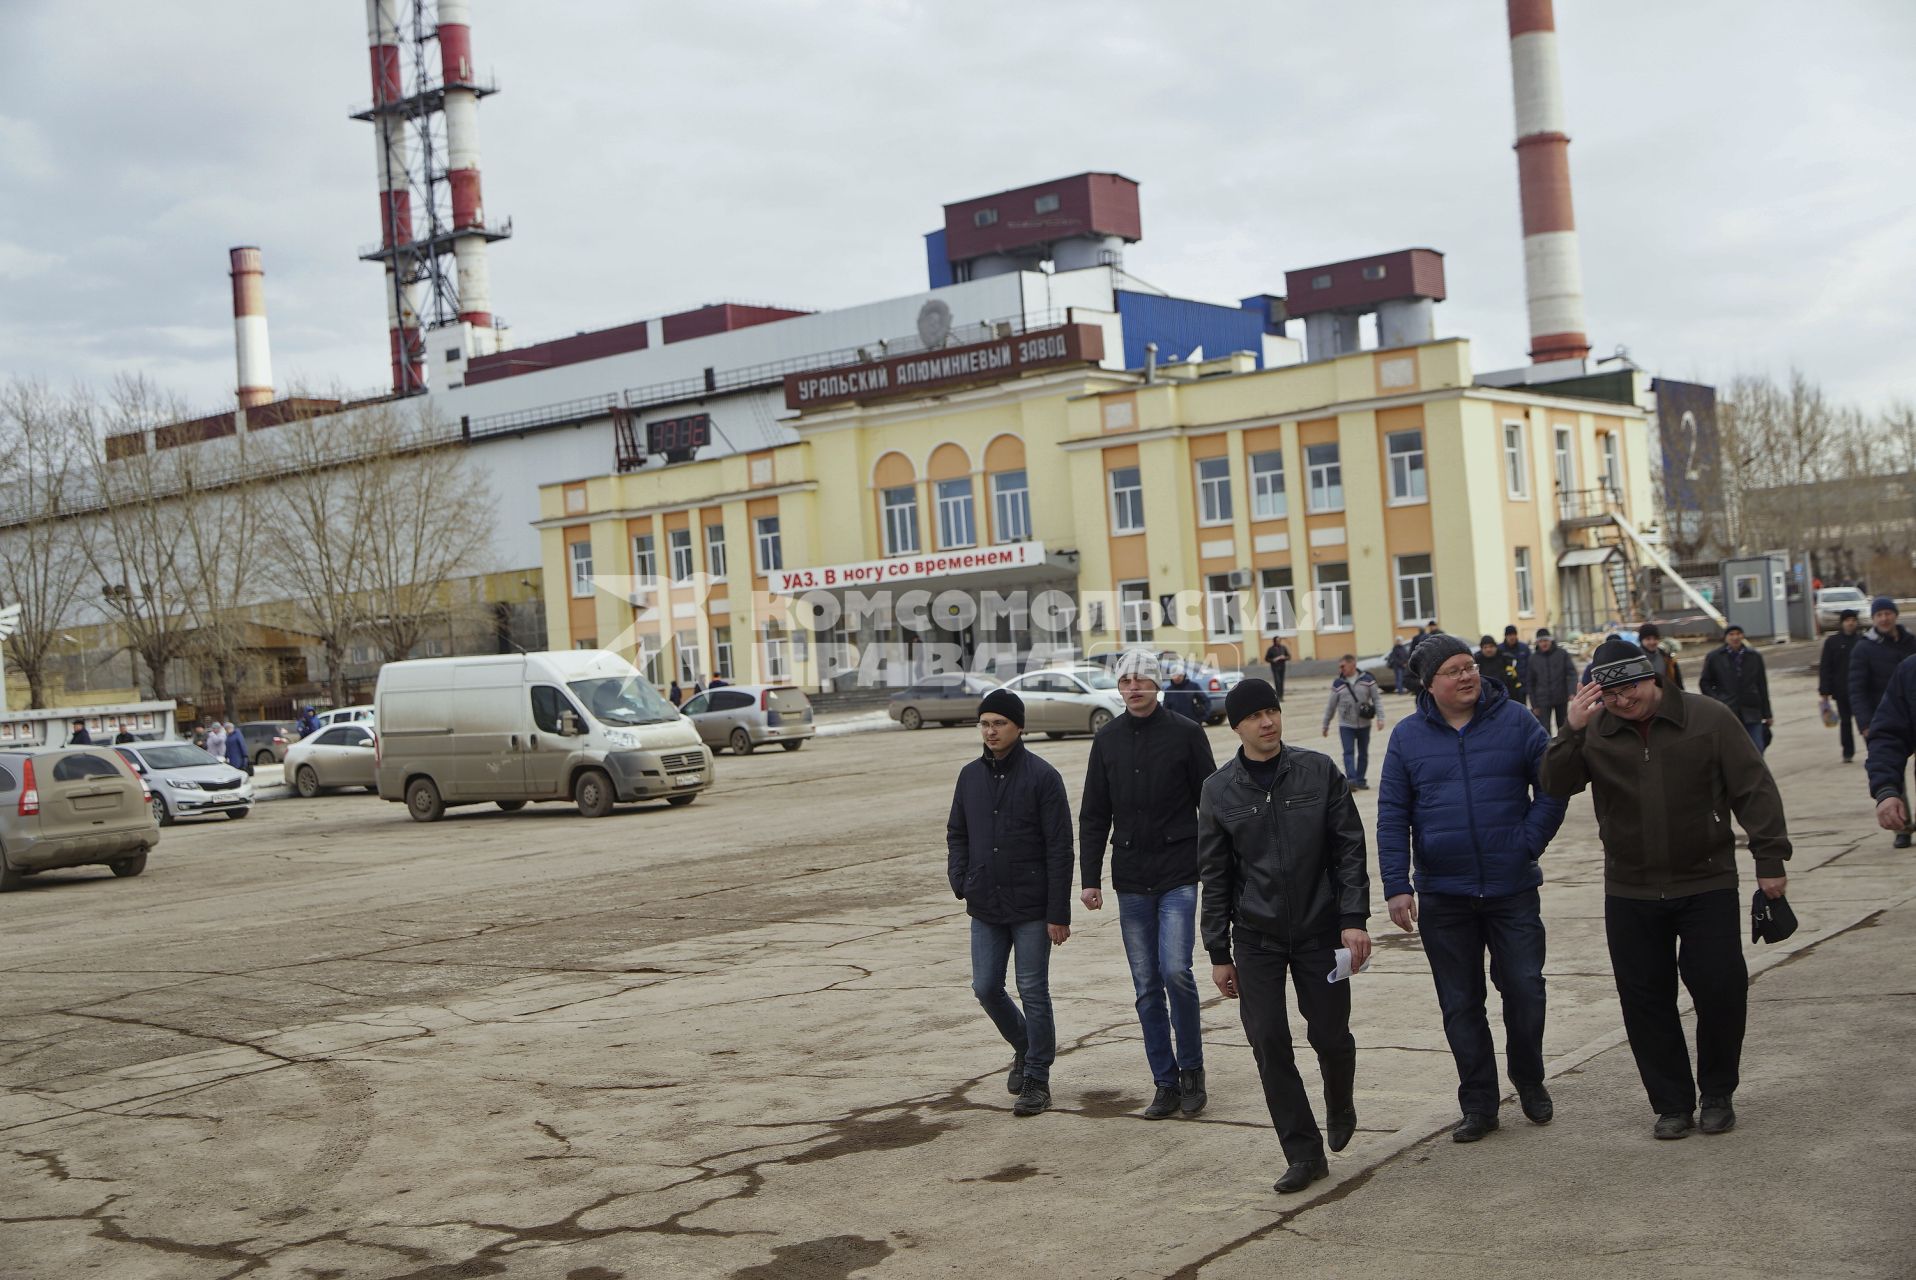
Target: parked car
{"points": [[345, 715], [1831, 601], [1067, 699], [72, 807], [186, 782], [267, 740], [744, 716], [339, 755], [579, 725], [940, 699]]}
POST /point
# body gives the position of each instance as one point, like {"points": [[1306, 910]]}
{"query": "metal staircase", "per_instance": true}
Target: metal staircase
{"points": [[1631, 557]]}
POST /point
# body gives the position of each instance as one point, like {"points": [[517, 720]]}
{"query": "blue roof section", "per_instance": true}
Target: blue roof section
{"points": [[937, 260], [1180, 326]]}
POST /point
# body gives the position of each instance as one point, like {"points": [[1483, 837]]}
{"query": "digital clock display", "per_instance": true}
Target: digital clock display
{"points": [[679, 435]]}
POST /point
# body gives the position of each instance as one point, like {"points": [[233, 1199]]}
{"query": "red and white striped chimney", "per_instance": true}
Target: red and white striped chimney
{"points": [[462, 173], [395, 194], [1553, 274], [250, 349]]}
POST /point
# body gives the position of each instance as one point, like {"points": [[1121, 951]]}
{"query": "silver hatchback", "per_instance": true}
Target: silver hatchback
{"points": [[744, 716], [72, 807]]}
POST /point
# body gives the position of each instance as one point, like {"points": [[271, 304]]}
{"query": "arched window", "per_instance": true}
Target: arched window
{"points": [[952, 497], [896, 483], [1010, 489]]}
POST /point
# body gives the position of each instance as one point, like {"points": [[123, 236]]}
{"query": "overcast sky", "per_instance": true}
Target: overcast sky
{"points": [[1742, 168]]}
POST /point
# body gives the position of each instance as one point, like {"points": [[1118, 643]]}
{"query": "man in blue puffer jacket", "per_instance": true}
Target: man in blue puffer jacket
{"points": [[1461, 799]]}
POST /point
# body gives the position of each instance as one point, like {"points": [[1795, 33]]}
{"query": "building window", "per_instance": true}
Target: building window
{"points": [[1404, 451], [1045, 204], [1321, 282], [1566, 459], [957, 526], [1326, 477], [1526, 597], [680, 541], [1276, 601], [1334, 596], [1134, 611], [715, 551], [1127, 500], [360, 654], [771, 548], [648, 663], [1416, 590], [778, 661], [645, 559], [1011, 505], [1223, 613], [984, 217], [901, 520], [1612, 466], [691, 661], [722, 652], [1214, 490], [581, 570], [1516, 462], [585, 644], [1267, 486], [1375, 271]]}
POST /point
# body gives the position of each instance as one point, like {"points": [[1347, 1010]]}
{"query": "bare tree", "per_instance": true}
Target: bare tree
{"points": [[43, 563], [218, 555]]}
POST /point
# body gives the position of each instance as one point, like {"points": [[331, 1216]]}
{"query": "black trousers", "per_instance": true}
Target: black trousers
{"points": [[1277, 678], [1546, 711], [1700, 939], [1457, 932], [1847, 724], [1262, 964]]}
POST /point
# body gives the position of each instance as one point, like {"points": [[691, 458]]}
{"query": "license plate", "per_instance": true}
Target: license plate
{"points": [[220, 797], [687, 779]]}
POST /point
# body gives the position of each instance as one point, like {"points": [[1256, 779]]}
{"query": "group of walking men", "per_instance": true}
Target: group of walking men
{"points": [[1269, 855]]}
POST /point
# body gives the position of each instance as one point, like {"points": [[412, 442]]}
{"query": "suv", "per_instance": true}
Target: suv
{"points": [[267, 740], [72, 807], [743, 716], [940, 699]]}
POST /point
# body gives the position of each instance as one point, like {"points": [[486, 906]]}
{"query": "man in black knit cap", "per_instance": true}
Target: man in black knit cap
{"points": [[1282, 853]]}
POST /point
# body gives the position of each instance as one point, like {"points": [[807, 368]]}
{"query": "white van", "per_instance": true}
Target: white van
{"points": [[583, 726]]}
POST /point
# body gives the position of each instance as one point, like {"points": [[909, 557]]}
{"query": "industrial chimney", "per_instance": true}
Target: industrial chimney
{"points": [[1553, 276], [395, 195], [462, 174], [254, 356]]}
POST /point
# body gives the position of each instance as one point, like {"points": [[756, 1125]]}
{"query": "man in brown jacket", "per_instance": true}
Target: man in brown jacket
{"points": [[1666, 770]]}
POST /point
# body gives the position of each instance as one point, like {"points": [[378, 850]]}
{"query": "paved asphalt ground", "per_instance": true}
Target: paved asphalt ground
{"points": [[737, 1040]]}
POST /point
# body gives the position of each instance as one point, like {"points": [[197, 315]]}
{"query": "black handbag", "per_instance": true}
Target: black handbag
{"points": [[1771, 919]]}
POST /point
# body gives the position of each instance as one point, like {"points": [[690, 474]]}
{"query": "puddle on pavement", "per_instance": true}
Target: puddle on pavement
{"points": [[1010, 1173], [1107, 1104], [830, 1258], [855, 1137]]}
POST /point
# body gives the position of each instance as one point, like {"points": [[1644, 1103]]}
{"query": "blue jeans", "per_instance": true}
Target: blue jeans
{"points": [[1030, 1032], [1160, 930], [1457, 931], [1759, 734], [1356, 751]]}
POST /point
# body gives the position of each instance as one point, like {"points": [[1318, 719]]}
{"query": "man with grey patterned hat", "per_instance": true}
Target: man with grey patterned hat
{"points": [[1141, 790]]}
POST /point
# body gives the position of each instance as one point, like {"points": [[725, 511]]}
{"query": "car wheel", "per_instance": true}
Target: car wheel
{"points": [[1053, 734], [423, 802], [511, 806], [236, 814], [127, 868], [1099, 719], [11, 879], [263, 758], [594, 795], [681, 801], [162, 810], [741, 742], [306, 781], [910, 718], [793, 745]]}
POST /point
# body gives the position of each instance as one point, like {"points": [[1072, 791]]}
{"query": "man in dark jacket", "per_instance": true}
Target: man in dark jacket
{"points": [[1462, 801], [1832, 678], [1184, 697], [1399, 664], [1871, 664], [1650, 640], [1492, 664], [1666, 771], [1734, 675], [1141, 790], [1279, 656], [1553, 678], [1008, 855], [79, 737], [1282, 853], [1892, 740], [1519, 654]]}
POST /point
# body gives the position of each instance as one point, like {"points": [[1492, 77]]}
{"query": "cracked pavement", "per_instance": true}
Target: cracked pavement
{"points": [[738, 1040]]}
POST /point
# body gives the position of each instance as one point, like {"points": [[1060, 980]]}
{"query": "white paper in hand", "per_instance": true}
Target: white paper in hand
{"points": [[1343, 969]]}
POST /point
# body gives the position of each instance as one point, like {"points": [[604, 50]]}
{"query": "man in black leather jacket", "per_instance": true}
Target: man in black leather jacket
{"points": [[1282, 852]]}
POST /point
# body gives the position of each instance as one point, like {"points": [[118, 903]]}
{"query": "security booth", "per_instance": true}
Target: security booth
{"points": [[1756, 595], [53, 726]]}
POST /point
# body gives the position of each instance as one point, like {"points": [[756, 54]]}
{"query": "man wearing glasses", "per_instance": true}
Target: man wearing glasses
{"points": [[1666, 771]]}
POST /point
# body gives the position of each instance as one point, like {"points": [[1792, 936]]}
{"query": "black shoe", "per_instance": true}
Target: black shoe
{"points": [[1338, 1128], [1301, 1175], [1035, 1098], [1849, 759], [1191, 1094], [1901, 841], [1015, 1078], [1473, 1127], [1717, 1116], [1537, 1106], [1164, 1104], [1676, 1124], [1360, 785]]}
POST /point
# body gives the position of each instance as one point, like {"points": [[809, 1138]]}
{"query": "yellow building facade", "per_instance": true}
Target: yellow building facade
{"points": [[1336, 505]]}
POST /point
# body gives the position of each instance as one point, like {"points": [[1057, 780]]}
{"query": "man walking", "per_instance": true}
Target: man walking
{"points": [[1142, 785], [1493, 664], [1553, 673], [1892, 740], [1832, 678], [1871, 664], [1461, 799], [1357, 705], [1519, 654], [1650, 639], [1008, 855], [1734, 675], [1282, 854], [1183, 696], [1279, 656], [1662, 767], [1399, 664]]}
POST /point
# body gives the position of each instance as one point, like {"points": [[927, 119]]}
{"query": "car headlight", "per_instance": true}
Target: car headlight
{"points": [[181, 784]]}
